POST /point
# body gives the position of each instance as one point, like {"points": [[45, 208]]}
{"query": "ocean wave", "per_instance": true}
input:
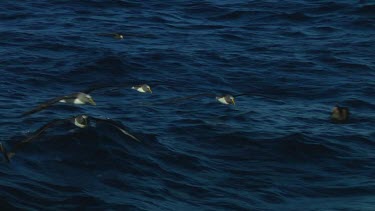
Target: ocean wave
{"points": [[230, 16], [275, 149], [296, 16], [367, 10]]}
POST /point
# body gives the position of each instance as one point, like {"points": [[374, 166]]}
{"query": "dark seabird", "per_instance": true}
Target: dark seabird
{"points": [[114, 35], [340, 114], [81, 121]]}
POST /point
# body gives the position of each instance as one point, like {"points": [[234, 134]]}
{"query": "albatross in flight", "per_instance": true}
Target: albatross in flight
{"points": [[121, 36], [83, 97], [81, 121], [226, 99], [114, 35]]}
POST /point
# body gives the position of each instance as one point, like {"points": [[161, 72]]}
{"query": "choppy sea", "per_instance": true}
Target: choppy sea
{"points": [[274, 150]]}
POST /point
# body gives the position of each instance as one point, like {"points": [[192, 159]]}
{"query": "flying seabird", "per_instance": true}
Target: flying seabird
{"points": [[76, 98], [224, 99], [340, 114], [230, 99], [227, 99], [81, 121], [83, 96], [142, 88], [114, 35], [122, 36]]}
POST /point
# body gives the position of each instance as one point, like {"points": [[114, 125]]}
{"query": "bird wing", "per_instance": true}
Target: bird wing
{"points": [[115, 125], [128, 35], [104, 86], [106, 34], [35, 134], [176, 100], [250, 93], [241, 94], [47, 104], [97, 87], [5, 152], [180, 99]]}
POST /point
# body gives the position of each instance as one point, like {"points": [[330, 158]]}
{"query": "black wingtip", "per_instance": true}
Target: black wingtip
{"points": [[5, 153], [22, 115], [118, 127], [27, 113]]}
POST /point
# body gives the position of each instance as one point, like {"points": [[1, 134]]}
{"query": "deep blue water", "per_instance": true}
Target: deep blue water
{"points": [[275, 150]]}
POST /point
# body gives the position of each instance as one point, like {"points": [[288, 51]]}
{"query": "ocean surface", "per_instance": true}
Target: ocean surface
{"points": [[276, 149]]}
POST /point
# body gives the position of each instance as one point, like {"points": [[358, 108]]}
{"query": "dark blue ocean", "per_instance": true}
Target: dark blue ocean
{"points": [[276, 149]]}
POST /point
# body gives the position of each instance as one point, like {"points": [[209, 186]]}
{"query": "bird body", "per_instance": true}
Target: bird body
{"points": [[79, 99], [226, 99], [142, 88], [81, 121], [340, 114]]}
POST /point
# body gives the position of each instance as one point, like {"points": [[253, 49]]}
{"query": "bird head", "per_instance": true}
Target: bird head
{"points": [[230, 99], [86, 98], [146, 88], [81, 121]]}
